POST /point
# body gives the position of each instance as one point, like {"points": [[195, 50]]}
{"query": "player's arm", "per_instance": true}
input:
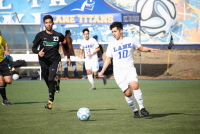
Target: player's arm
{"points": [[147, 49], [36, 43], [34, 48], [6, 50], [105, 65], [65, 51], [95, 51]]}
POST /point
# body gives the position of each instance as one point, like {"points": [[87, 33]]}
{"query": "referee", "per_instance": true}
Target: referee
{"points": [[49, 58]]}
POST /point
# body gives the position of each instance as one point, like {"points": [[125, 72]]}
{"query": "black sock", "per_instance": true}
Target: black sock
{"points": [[51, 90], [3, 92]]}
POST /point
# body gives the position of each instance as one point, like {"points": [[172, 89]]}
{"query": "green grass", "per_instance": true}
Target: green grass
{"points": [[174, 107]]}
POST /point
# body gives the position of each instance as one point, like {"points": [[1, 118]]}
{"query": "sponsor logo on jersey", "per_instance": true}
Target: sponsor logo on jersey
{"points": [[46, 43]]}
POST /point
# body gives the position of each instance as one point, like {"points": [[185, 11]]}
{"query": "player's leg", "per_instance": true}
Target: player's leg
{"points": [[120, 78], [2, 89], [45, 75], [138, 96], [132, 79], [88, 67], [84, 71], [5, 78], [130, 101], [66, 69], [52, 83], [74, 69], [95, 68], [90, 78]]}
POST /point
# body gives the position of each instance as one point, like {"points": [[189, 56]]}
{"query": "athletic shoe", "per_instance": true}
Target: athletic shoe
{"points": [[104, 80], [49, 105], [84, 77], [93, 88], [136, 114], [144, 112], [6, 102], [57, 87]]}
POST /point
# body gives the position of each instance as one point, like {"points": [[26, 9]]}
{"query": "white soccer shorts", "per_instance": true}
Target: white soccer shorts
{"points": [[92, 65], [124, 77]]}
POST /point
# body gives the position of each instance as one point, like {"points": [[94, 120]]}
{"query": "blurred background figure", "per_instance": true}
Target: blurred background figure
{"points": [[99, 54], [84, 71], [71, 53]]}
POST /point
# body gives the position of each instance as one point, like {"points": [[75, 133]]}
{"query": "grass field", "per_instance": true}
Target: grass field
{"points": [[174, 108]]}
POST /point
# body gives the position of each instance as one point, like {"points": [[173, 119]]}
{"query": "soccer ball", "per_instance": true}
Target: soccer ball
{"points": [[15, 76], [157, 16], [83, 114]]}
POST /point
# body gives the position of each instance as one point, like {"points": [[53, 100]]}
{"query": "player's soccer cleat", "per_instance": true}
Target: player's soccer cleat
{"points": [[49, 105], [57, 87], [6, 102], [136, 114], [144, 112], [104, 80], [93, 87]]}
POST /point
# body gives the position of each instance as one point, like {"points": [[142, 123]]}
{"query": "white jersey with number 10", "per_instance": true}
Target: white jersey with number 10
{"points": [[122, 52]]}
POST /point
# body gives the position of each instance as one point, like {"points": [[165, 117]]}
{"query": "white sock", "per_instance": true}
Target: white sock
{"points": [[90, 78], [130, 101], [138, 97]]}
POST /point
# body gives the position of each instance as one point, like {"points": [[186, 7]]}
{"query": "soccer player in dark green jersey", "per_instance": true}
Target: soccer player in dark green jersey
{"points": [[49, 56]]}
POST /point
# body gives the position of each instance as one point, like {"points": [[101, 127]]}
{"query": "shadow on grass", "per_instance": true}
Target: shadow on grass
{"points": [[110, 88], [27, 102], [93, 110], [151, 116]]}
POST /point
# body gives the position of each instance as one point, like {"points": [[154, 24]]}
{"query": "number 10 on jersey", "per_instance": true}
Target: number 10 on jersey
{"points": [[123, 54]]}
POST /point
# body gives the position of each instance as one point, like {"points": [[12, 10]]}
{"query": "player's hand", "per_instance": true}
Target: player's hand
{"points": [[89, 55], [101, 74], [69, 61], [41, 53], [6, 53], [154, 50]]}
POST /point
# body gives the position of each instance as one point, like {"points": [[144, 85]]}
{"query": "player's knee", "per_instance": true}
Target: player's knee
{"points": [[134, 86], [9, 81], [128, 93], [51, 78], [89, 72]]}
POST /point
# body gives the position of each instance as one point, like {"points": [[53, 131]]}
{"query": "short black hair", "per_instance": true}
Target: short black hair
{"points": [[116, 24], [47, 17], [67, 32], [86, 29]]}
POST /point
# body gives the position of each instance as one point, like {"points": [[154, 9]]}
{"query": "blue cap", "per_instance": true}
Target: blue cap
{"points": [[96, 37]]}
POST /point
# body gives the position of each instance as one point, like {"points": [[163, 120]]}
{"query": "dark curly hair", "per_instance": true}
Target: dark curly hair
{"points": [[116, 24], [86, 29], [47, 17]]}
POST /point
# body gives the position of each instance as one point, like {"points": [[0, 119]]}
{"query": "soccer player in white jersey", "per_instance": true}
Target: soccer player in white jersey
{"points": [[125, 74], [90, 47]]}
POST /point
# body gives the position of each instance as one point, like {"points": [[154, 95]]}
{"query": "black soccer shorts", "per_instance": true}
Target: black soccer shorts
{"points": [[51, 71], [4, 70]]}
